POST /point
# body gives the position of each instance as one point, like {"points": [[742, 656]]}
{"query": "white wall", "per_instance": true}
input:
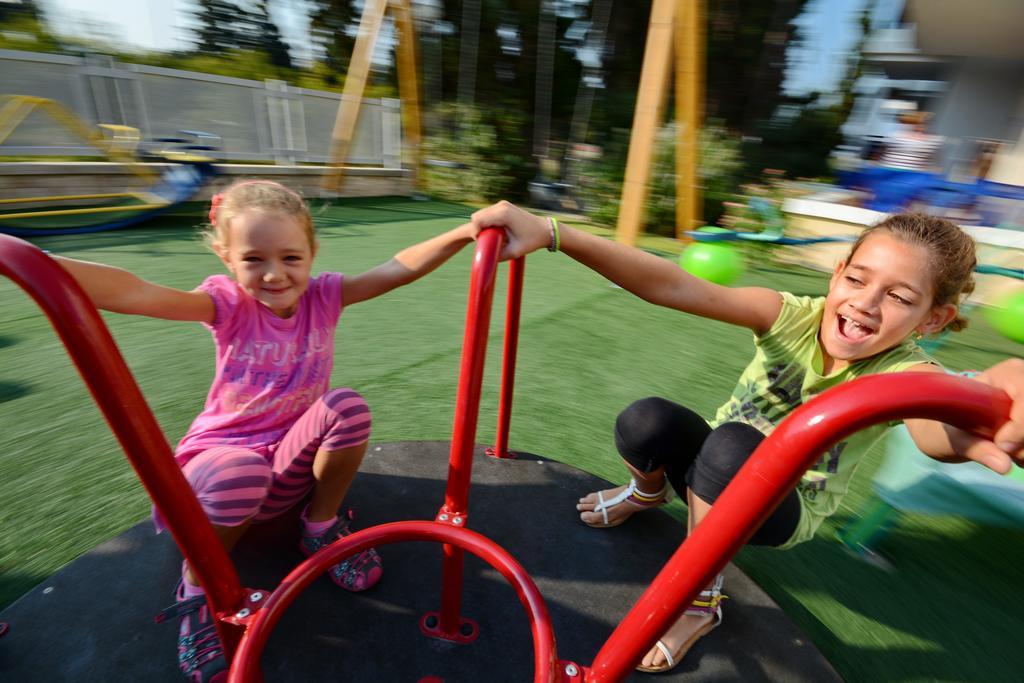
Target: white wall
{"points": [[1008, 166], [983, 101]]}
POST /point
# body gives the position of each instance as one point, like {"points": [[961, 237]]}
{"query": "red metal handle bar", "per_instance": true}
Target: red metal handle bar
{"points": [[245, 666], [771, 472], [94, 352], [471, 371], [467, 409], [516, 273]]}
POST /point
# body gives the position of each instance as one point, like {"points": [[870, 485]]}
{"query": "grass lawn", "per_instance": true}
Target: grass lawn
{"points": [[950, 611]]}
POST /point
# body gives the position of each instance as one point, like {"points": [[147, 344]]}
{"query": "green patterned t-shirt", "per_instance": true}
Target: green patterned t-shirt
{"points": [[786, 373]]}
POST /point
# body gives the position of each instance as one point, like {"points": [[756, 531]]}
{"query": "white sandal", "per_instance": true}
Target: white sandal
{"points": [[635, 496], [707, 604]]}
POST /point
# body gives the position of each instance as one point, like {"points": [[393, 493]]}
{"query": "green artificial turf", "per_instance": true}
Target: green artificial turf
{"points": [[949, 610]]}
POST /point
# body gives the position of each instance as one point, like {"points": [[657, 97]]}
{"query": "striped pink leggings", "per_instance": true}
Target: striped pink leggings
{"points": [[234, 484]]}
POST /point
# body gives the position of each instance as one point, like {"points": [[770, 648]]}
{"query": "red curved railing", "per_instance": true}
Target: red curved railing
{"points": [[246, 664], [771, 472], [104, 371]]}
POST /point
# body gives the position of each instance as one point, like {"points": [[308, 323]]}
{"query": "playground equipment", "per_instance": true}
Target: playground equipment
{"points": [[716, 262], [1006, 315], [761, 237], [245, 617], [674, 27], [190, 168], [355, 83]]}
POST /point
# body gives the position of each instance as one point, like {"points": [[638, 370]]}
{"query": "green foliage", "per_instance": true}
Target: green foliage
{"points": [[225, 26], [599, 182], [600, 185], [480, 153], [24, 32], [250, 64], [249, 61], [798, 140], [801, 133], [745, 56], [719, 165], [329, 21]]}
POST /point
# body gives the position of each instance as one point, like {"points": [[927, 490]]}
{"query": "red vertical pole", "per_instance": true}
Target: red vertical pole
{"points": [[94, 352], [467, 408], [772, 471], [517, 269]]}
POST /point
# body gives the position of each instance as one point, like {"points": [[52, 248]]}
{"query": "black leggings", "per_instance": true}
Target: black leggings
{"points": [[653, 433]]}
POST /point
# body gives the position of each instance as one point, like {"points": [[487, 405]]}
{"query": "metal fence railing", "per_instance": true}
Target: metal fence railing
{"points": [[255, 120]]}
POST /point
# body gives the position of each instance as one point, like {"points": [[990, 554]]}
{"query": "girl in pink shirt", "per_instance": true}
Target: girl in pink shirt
{"points": [[271, 430]]}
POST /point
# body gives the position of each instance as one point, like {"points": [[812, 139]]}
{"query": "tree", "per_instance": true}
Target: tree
{"points": [[24, 28], [802, 131], [22, 9], [745, 55], [225, 26], [219, 27], [268, 38], [331, 23]]}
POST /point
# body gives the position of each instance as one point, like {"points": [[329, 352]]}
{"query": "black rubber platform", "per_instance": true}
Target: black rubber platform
{"points": [[69, 629]]}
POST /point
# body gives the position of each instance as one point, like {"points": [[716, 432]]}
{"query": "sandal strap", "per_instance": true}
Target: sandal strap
{"points": [[181, 608], [642, 498], [707, 603], [635, 495], [669, 659]]}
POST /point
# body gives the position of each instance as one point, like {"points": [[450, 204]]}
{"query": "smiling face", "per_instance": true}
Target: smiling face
{"points": [[877, 299], [270, 256]]}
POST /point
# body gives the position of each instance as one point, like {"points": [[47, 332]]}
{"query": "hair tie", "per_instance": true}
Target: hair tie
{"points": [[215, 201]]}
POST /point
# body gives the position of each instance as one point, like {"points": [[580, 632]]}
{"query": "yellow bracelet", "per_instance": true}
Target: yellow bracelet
{"points": [[555, 242]]}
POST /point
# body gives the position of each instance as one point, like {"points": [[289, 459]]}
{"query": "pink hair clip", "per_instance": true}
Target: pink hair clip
{"points": [[214, 205]]}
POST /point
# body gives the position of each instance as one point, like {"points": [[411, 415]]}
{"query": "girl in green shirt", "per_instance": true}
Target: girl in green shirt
{"points": [[903, 278]]}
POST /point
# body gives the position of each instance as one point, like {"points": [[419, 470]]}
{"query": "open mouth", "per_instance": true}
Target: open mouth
{"points": [[851, 330]]}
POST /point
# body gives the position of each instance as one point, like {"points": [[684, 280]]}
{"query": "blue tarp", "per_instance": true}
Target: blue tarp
{"points": [[893, 189]]}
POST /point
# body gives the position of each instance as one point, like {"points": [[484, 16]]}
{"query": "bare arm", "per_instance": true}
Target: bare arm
{"points": [[117, 290], [1005, 447], [647, 276], [406, 266]]}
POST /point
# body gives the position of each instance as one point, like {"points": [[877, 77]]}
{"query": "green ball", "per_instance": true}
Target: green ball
{"points": [[713, 261], [1006, 315]]}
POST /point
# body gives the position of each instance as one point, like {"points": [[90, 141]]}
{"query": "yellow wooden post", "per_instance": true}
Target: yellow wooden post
{"points": [[408, 86], [352, 95], [646, 118], [689, 98]]}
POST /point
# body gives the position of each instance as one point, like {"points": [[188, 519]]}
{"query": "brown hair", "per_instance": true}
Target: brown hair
{"points": [[951, 255], [259, 195]]}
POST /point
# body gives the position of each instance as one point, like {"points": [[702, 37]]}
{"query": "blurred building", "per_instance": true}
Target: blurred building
{"points": [[964, 63]]}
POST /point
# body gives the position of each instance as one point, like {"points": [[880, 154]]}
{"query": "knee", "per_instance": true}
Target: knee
{"points": [[243, 470], [347, 404], [347, 421], [234, 489], [725, 451], [644, 423]]}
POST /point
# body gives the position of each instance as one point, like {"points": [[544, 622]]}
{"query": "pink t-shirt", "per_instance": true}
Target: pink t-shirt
{"points": [[269, 369]]}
